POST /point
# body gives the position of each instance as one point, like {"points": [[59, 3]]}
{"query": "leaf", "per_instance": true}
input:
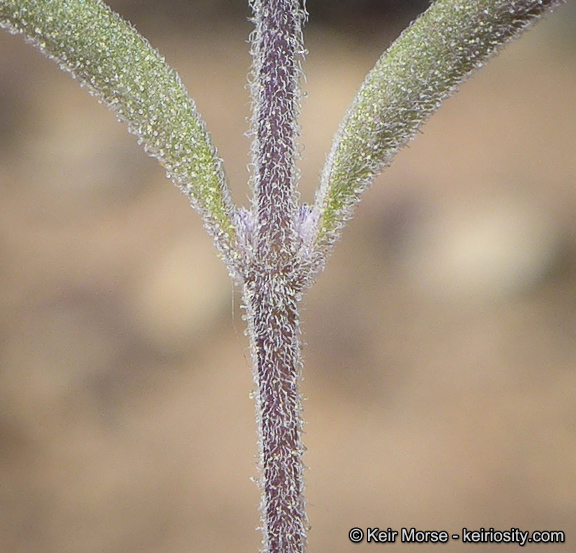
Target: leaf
{"points": [[108, 56], [425, 65]]}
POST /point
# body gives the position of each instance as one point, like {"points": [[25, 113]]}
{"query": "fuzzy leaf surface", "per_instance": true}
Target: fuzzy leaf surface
{"points": [[426, 64], [108, 56]]}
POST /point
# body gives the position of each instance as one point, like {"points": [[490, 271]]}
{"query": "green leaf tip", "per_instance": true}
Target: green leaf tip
{"points": [[108, 56], [421, 68]]}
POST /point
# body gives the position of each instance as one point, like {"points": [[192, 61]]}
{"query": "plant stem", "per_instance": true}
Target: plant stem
{"points": [[275, 102], [272, 275], [273, 323]]}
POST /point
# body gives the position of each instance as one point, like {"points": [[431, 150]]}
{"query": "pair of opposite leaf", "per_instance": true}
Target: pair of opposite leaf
{"points": [[408, 83]]}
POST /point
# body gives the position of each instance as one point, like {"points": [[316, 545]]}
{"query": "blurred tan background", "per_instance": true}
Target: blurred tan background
{"points": [[440, 348]]}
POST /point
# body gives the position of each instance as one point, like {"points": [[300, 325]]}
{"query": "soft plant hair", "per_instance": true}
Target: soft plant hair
{"points": [[274, 249]]}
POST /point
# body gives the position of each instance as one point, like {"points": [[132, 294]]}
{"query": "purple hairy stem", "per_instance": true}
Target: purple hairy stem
{"points": [[272, 314], [272, 276], [277, 46]]}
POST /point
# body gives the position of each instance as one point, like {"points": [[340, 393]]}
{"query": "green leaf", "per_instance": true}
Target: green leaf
{"points": [[423, 66], [106, 54]]}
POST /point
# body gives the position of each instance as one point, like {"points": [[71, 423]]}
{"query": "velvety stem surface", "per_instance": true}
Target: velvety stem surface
{"points": [[272, 279], [272, 314], [275, 95]]}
